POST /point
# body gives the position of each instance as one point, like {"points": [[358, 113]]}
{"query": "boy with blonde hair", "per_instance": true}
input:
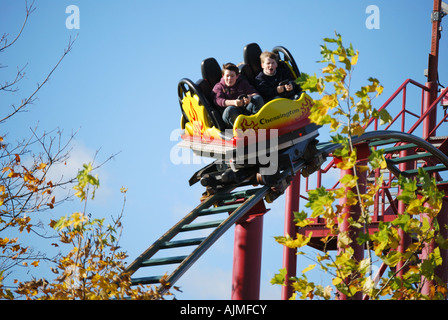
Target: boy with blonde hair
{"points": [[273, 82]]}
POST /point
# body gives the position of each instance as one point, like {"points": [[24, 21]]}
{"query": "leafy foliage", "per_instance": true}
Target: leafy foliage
{"points": [[347, 117], [93, 268]]}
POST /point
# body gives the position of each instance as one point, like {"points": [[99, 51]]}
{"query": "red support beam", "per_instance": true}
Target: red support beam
{"points": [[289, 254], [405, 239], [247, 255], [442, 219], [427, 249], [430, 122], [354, 212]]}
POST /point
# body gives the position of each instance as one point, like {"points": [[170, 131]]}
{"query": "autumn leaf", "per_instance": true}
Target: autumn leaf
{"points": [[289, 242], [347, 115], [279, 278], [300, 218], [354, 59], [349, 180], [344, 239], [42, 166], [376, 159], [309, 268]]}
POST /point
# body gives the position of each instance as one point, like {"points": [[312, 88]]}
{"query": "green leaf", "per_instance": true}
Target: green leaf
{"points": [[376, 159], [392, 258], [385, 117], [301, 219], [362, 238], [279, 278], [401, 221], [85, 179], [427, 269]]}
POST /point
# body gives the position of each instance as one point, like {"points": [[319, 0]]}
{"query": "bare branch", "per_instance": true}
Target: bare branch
{"points": [[30, 99], [19, 76], [29, 11]]}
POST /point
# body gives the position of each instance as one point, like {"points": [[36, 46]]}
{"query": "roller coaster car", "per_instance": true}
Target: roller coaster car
{"points": [[240, 150]]}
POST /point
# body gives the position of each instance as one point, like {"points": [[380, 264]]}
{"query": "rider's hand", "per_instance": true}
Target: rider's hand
{"points": [[280, 89], [239, 103]]}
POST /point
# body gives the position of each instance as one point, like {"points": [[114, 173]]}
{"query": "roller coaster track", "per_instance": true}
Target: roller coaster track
{"points": [[230, 201], [235, 204], [404, 141], [405, 154]]}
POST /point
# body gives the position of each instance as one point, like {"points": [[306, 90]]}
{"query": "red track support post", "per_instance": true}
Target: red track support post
{"points": [[442, 219], [426, 251], [289, 254], [405, 239], [247, 255], [353, 212], [441, 271], [430, 122]]}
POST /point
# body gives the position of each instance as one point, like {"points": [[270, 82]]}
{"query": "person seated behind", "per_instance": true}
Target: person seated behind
{"points": [[236, 95], [273, 82]]}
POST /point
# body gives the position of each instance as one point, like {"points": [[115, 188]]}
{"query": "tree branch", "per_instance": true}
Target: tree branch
{"points": [[29, 100], [29, 11]]}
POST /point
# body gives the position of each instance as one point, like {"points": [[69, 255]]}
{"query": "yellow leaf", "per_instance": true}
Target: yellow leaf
{"points": [[369, 286], [322, 258], [415, 206], [327, 292], [4, 242], [347, 162], [328, 68], [304, 223], [335, 124], [379, 90], [309, 268], [356, 129], [362, 168], [330, 101], [289, 242], [344, 239], [336, 281], [349, 180], [339, 193], [354, 59], [35, 263]]}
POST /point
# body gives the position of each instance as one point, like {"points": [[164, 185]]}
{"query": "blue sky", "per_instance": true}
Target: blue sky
{"points": [[118, 89]]}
